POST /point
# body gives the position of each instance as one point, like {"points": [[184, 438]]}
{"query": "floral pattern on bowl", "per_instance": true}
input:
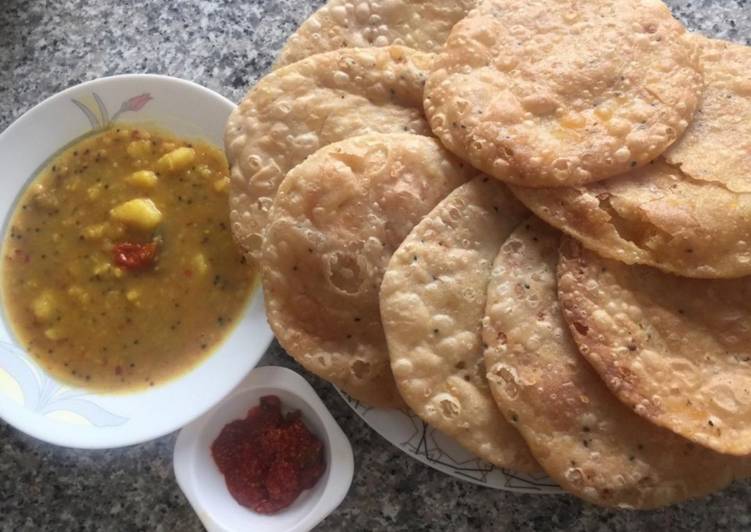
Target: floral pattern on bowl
{"points": [[35, 390], [98, 115]]}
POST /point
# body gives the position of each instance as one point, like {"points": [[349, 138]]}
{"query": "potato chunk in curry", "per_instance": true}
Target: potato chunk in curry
{"points": [[140, 213]]}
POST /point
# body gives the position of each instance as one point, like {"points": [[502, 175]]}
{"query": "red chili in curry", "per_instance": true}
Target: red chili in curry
{"points": [[268, 458], [132, 256]]}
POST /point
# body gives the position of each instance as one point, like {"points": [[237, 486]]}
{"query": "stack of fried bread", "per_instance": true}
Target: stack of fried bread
{"points": [[528, 221]]}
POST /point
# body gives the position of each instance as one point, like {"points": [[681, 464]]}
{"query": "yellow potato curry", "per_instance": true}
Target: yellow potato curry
{"points": [[119, 269]]}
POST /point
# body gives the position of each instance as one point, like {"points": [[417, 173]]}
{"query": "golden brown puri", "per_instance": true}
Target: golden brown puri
{"points": [[550, 94], [336, 220], [419, 24], [589, 442], [296, 110], [716, 147], [675, 350], [432, 304], [655, 215], [691, 217]]}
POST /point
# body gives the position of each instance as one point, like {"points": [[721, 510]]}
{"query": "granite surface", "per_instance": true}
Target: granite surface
{"points": [[46, 46]]}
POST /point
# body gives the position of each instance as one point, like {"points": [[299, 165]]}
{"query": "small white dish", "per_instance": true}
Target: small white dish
{"points": [[30, 399], [204, 486]]}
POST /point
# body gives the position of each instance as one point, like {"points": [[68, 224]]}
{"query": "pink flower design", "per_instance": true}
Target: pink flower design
{"points": [[136, 103], [102, 119], [133, 105]]}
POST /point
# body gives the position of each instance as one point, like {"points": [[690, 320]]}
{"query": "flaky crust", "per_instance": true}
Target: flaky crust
{"points": [[675, 350], [432, 304], [691, 217], [296, 110], [419, 24], [655, 215], [541, 93], [336, 220], [716, 147], [588, 441]]}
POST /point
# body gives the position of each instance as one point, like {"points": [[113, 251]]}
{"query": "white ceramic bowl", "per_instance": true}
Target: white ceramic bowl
{"points": [[31, 400], [204, 486]]}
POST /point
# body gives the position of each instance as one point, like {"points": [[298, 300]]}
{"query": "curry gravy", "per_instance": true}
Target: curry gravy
{"points": [[119, 269]]}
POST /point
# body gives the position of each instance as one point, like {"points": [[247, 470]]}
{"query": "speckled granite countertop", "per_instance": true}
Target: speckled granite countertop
{"points": [[46, 46]]}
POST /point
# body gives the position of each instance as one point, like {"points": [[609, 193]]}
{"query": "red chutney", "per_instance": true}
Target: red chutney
{"points": [[268, 459]]}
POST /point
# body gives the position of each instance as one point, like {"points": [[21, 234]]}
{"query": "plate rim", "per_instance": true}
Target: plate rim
{"points": [[549, 488]]}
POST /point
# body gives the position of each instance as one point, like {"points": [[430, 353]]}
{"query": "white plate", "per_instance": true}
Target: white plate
{"points": [[204, 486], [405, 430], [31, 400]]}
